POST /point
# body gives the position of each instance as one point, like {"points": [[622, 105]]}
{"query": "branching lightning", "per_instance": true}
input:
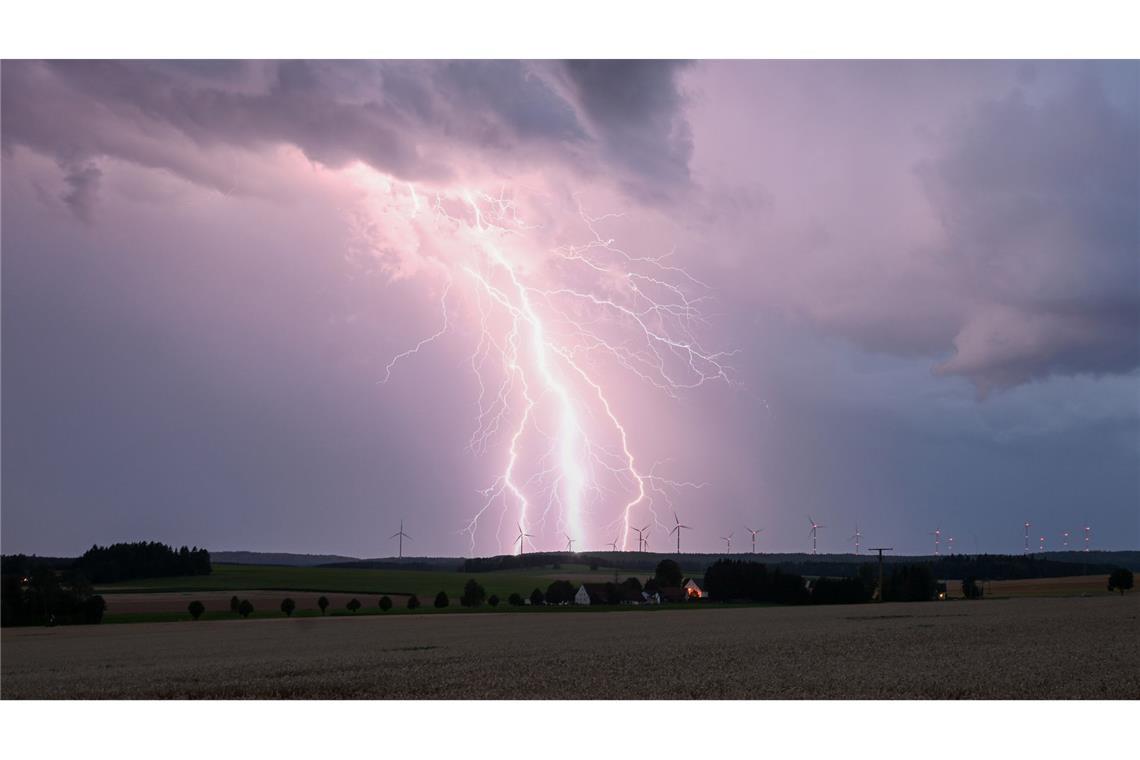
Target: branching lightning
{"points": [[548, 323]]}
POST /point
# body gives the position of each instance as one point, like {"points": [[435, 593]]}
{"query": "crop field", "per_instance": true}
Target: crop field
{"points": [[424, 583], [1031, 648]]}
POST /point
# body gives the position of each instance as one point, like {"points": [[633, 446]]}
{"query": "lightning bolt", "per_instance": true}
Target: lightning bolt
{"points": [[548, 323]]}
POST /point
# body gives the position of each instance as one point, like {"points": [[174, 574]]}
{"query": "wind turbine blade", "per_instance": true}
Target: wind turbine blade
{"points": [[393, 536], [675, 527], [676, 519]]}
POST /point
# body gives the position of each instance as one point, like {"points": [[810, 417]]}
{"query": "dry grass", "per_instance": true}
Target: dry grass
{"points": [[1017, 648]]}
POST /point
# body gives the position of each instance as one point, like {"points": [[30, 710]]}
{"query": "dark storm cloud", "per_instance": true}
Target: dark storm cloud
{"points": [[636, 107], [416, 120], [1041, 206]]}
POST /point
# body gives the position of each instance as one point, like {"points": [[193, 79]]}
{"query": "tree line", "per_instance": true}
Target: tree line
{"points": [[143, 559]]}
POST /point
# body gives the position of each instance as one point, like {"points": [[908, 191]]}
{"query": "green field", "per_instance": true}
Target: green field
{"points": [[425, 584]]}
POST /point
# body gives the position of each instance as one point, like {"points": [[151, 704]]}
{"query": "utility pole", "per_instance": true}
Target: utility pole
{"points": [[880, 550]]}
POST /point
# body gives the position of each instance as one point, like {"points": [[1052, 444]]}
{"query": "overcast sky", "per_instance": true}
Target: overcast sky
{"points": [[919, 290]]}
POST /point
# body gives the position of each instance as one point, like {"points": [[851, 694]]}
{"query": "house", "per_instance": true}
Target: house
{"points": [[592, 593], [607, 593], [693, 589]]}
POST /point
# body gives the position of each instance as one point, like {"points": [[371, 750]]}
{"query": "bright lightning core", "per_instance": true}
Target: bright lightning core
{"points": [[550, 321]]}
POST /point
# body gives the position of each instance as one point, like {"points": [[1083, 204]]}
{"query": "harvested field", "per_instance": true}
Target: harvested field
{"points": [[1017, 648]]}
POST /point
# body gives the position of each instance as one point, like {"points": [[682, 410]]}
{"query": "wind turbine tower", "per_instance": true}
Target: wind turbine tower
{"points": [[677, 528], [1087, 531], [937, 541], [728, 542], [1027, 537], [754, 532], [856, 538], [569, 543], [613, 544], [521, 540], [640, 536], [814, 527], [401, 535], [1065, 540]]}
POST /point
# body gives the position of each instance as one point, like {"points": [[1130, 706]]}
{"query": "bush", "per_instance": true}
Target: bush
{"points": [[536, 597], [245, 609], [323, 603], [441, 600], [413, 602], [353, 605], [48, 601], [668, 574], [196, 609], [515, 599], [92, 609], [473, 594], [1120, 580], [493, 600], [287, 606], [235, 604], [385, 603]]}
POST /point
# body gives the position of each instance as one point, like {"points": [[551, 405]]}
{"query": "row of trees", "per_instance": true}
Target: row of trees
{"points": [[743, 580], [49, 598], [143, 559]]}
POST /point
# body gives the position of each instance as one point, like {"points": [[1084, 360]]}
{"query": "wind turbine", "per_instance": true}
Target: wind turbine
{"points": [[613, 544], [856, 538], [569, 543], [401, 535], [521, 540], [1042, 549], [937, 541], [1065, 542], [677, 528], [1087, 531], [646, 542], [640, 532], [1027, 537], [728, 541], [951, 542], [814, 527], [754, 532]]}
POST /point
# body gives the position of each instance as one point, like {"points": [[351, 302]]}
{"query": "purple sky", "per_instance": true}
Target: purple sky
{"points": [[929, 274]]}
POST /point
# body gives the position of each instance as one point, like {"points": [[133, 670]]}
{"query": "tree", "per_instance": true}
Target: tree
{"points": [[515, 599], [536, 597], [909, 583], [323, 603], [92, 609], [971, 589], [245, 609], [441, 600], [353, 605], [235, 604], [473, 594], [1120, 580], [385, 603], [632, 584], [560, 592], [287, 606], [668, 574], [413, 602], [196, 609], [493, 600]]}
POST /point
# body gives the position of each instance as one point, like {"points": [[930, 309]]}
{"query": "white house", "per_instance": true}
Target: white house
{"points": [[583, 596], [693, 589]]}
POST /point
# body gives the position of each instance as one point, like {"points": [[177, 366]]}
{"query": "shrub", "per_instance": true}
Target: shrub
{"points": [[93, 608], [323, 603], [385, 603], [245, 609], [287, 606], [196, 609], [413, 602], [493, 600], [235, 604], [353, 605], [632, 584], [1120, 580], [473, 594], [515, 599], [536, 597], [441, 600]]}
